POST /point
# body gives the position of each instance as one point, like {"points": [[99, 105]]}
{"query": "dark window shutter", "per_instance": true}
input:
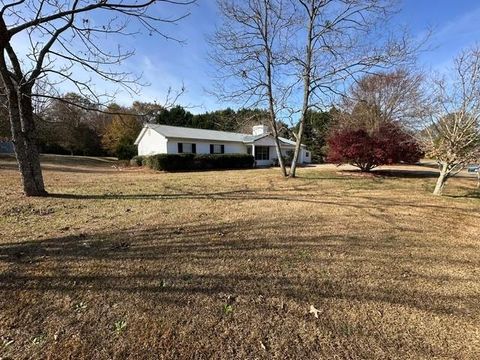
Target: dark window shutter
{"points": [[211, 149], [194, 148], [222, 149], [180, 148]]}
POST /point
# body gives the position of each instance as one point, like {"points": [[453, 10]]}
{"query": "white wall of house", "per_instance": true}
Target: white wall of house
{"points": [[306, 156], [152, 143], [203, 147]]}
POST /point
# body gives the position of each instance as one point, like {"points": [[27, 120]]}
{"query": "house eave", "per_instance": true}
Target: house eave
{"points": [[140, 136]]}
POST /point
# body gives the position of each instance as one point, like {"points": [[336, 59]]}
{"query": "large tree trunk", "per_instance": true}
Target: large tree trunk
{"points": [[298, 148], [25, 143], [281, 161], [441, 181]]}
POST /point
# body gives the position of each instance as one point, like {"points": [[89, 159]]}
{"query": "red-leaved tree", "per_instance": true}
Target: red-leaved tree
{"points": [[388, 144]]}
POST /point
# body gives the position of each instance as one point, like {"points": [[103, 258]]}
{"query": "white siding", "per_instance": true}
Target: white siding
{"points": [[203, 147], [306, 159], [152, 143]]}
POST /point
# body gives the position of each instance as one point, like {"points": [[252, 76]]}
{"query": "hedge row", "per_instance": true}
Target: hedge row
{"points": [[182, 162]]}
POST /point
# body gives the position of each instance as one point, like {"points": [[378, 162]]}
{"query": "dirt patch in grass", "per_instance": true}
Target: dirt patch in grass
{"points": [[226, 265]]}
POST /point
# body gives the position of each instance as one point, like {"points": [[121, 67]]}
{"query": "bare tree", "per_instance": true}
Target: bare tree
{"points": [[452, 134], [249, 49], [395, 96], [65, 36], [344, 40]]}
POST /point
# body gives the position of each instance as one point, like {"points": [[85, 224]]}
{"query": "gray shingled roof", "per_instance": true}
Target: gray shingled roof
{"points": [[203, 134]]}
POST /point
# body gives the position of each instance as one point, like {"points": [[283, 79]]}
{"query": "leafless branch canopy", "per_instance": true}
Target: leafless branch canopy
{"points": [[345, 40], [452, 133], [49, 42], [334, 42], [251, 43], [397, 96]]}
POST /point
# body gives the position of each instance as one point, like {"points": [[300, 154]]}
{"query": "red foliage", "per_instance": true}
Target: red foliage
{"points": [[389, 144]]}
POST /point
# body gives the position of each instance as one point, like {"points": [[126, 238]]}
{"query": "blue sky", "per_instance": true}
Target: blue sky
{"points": [[165, 64], [455, 26]]}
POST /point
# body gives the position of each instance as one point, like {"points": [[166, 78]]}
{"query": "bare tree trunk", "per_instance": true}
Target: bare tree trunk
{"points": [[298, 148], [307, 78], [441, 181], [281, 161], [273, 124], [271, 99], [25, 143]]}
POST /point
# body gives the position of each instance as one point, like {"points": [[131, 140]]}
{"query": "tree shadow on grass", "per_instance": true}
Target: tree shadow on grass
{"points": [[243, 258], [369, 204], [407, 174], [65, 168], [349, 174], [472, 194]]}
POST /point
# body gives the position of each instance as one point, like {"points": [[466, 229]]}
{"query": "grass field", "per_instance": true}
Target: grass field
{"points": [[226, 265]]}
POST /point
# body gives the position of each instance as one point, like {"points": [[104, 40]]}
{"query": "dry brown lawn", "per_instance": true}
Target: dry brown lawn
{"points": [[226, 265]]}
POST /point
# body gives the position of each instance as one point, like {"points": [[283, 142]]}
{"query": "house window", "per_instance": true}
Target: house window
{"points": [[307, 153], [187, 148], [262, 153], [217, 149]]}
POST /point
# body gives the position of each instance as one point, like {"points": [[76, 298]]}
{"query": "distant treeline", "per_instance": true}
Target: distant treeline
{"points": [[67, 127]]}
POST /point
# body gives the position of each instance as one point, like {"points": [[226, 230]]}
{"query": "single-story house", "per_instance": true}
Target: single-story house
{"points": [[164, 139]]}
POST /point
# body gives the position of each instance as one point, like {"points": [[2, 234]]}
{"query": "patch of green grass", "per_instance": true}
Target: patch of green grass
{"points": [[39, 339], [120, 326], [227, 309], [80, 306]]}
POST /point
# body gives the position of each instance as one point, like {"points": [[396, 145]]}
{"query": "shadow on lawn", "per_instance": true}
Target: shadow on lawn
{"points": [[175, 263], [86, 169], [472, 194], [369, 204], [407, 174]]}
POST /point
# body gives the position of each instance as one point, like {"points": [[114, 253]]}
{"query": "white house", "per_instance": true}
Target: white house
{"points": [[163, 139]]}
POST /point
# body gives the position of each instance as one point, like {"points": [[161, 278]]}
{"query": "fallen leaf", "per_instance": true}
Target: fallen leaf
{"points": [[314, 311]]}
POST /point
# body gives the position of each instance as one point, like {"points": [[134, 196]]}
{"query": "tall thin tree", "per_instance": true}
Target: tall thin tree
{"points": [[249, 49]]}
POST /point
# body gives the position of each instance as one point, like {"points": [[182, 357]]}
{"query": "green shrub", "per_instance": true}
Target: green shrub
{"points": [[183, 162], [138, 160]]}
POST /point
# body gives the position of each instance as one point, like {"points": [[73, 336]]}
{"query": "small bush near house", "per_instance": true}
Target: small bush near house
{"points": [[182, 162], [138, 160], [389, 144]]}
